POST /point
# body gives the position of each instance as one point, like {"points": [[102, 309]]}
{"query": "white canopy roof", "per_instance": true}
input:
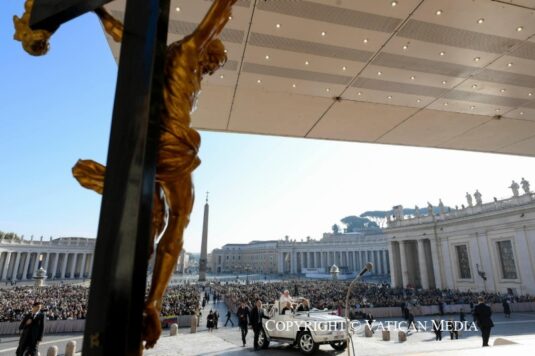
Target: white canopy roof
{"points": [[450, 74]]}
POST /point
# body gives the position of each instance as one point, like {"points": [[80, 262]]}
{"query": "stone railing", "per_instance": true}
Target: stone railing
{"points": [[54, 242], [467, 211], [51, 327]]}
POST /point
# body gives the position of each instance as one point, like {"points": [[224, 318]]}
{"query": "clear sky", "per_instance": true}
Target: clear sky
{"points": [[57, 108]]}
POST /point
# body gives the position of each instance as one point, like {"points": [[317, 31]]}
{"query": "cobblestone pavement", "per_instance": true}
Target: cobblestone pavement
{"points": [[227, 341]]}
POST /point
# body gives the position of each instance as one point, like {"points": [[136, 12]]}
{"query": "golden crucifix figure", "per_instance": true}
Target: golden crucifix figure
{"points": [[187, 61]]}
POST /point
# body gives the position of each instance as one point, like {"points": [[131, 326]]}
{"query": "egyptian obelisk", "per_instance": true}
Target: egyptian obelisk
{"points": [[204, 245]]}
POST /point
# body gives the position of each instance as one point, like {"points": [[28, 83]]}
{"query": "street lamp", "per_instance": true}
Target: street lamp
{"points": [[483, 276], [247, 269]]}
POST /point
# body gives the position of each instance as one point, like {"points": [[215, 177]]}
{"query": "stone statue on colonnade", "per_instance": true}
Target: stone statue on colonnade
{"points": [[514, 187], [525, 186], [469, 199], [477, 195]]}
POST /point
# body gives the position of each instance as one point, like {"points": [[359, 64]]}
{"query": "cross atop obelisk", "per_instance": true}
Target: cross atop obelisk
{"points": [[204, 244]]}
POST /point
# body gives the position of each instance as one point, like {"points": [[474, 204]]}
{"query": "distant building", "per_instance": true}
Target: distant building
{"points": [[349, 251], [486, 246], [254, 257]]}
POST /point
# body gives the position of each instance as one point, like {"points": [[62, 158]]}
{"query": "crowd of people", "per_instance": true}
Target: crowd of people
{"points": [[180, 300], [60, 302], [64, 302], [332, 294]]}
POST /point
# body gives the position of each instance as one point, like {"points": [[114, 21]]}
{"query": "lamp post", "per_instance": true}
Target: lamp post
{"points": [[236, 270], [483, 276], [367, 268], [247, 269]]}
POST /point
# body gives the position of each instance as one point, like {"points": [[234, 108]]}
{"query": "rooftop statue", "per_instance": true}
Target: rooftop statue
{"points": [[525, 186], [469, 199], [477, 195], [514, 187]]}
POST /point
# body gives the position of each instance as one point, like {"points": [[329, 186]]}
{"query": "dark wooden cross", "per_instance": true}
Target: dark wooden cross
{"points": [[116, 298]]}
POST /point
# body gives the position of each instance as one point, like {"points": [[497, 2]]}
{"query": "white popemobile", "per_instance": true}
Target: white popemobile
{"points": [[306, 329]]}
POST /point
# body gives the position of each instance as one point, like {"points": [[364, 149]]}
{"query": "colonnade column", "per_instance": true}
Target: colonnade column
{"points": [[15, 267], [393, 271], [293, 262], [64, 265], [55, 267], [378, 260], [93, 260], [46, 264], [26, 264], [424, 279], [404, 267], [33, 264], [385, 264], [436, 266], [6, 265], [73, 266], [82, 269]]}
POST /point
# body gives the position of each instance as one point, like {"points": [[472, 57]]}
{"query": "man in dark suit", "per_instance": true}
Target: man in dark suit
{"points": [[32, 327], [229, 319], [506, 308], [243, 320], [257, 314], [482, 313]]}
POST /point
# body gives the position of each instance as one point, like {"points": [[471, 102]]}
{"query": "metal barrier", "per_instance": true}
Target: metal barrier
{"points": [[74, 326], [51, 327]]}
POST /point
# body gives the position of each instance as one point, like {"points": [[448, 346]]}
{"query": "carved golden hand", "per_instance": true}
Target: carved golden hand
{"points": [[33, 42]]}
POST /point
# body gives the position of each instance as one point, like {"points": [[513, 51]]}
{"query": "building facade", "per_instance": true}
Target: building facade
{"points": [[254, 257], [487, 246], [349, 251], [62, 258]]}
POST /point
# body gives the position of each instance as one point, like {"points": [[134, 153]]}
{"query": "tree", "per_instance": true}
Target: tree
{"points": [[354, 223], [9, 236]]}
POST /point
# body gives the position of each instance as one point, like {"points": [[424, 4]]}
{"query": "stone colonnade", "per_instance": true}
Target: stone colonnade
{"points": [[22, 265], [414, 263], [296, 261]]}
